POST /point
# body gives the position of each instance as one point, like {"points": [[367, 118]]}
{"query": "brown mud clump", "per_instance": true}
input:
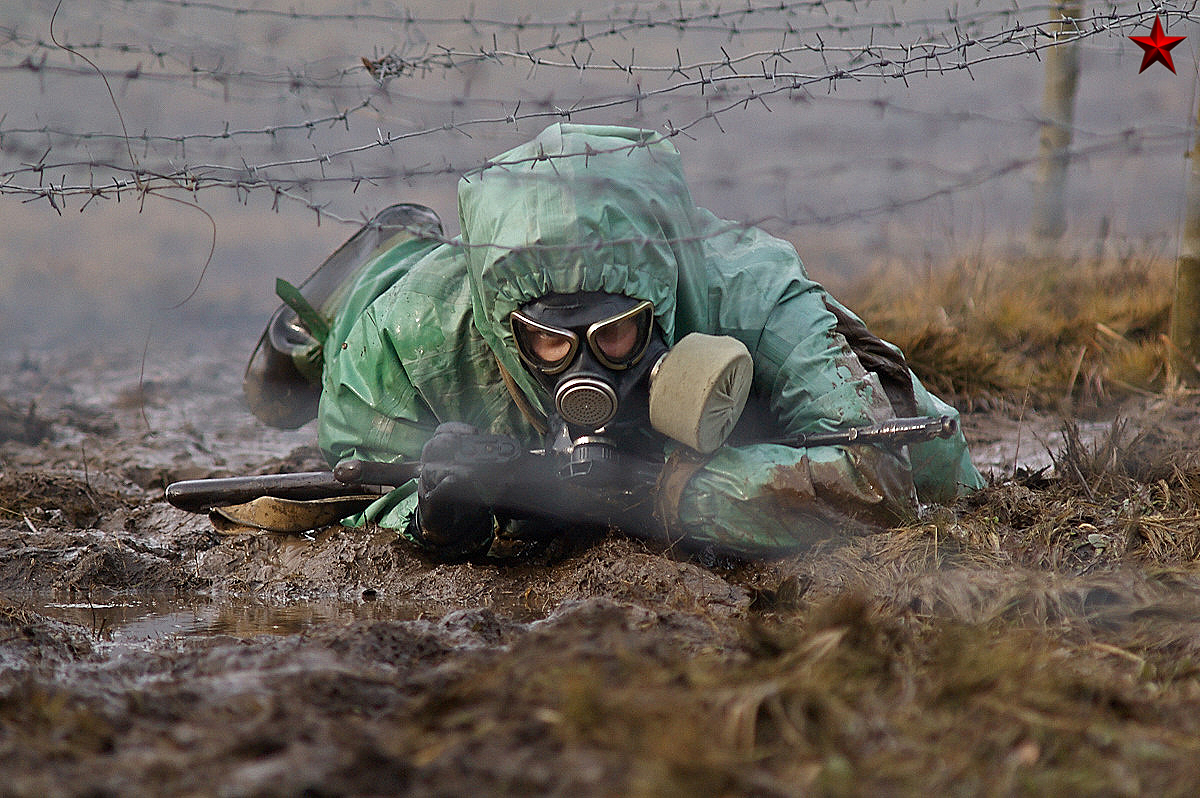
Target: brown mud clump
{"points": [[22, 425]]}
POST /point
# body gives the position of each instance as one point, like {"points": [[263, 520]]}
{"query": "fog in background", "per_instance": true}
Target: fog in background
{"points": [[855, 173]]}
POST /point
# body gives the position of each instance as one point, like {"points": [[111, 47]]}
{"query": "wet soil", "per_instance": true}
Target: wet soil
{"points": [[1040, 637]]}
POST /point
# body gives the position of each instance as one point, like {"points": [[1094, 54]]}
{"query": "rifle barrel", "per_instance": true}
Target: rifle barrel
{"points": [[894, 432]]}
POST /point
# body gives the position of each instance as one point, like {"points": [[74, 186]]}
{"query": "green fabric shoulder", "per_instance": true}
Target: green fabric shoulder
{"points": [[408, 360]]}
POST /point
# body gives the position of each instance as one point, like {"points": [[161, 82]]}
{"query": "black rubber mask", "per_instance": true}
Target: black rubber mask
{"points": [[593, 352]]}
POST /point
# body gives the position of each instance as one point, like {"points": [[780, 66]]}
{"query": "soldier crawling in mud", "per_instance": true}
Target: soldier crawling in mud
{"points": [[544, 367]]}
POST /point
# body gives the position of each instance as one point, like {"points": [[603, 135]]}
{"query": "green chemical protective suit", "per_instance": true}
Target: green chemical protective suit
{"points": [[424, 337]]}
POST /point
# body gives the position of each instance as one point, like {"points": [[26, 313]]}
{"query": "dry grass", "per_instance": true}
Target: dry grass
{"points": [[1040, 638], [847, 696], [1084, 331]]}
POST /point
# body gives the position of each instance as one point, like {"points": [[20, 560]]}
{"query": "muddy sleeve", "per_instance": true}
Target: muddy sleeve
{"points": [[941, 468], [762, 498], [369, 407], [766, 500]]}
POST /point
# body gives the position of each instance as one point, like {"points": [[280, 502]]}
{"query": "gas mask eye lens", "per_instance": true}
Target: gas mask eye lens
{"points": [[547, 349], [617, 341], [621, 341]]}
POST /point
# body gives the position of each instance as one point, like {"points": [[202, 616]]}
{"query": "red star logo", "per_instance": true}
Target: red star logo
{"points": [[1157, 47]]}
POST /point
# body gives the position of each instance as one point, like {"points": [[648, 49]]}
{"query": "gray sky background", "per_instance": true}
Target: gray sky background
{"points": [[841, 171]]}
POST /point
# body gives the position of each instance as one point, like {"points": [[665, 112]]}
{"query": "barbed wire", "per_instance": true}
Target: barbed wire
{"points": [[439, 57], [296, 190], [394, 65], [189, 74], [341, 118], [810, 55], [632, 16]]}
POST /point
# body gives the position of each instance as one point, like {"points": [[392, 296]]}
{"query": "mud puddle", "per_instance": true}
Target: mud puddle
{"points": [[127, 622]]}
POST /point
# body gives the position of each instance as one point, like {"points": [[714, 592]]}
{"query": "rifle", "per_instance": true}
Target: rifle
{"points": [[356, 478], [348, 478]]}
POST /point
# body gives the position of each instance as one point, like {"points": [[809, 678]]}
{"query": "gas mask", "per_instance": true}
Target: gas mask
{"points": [[593, 352], [604, 361]]}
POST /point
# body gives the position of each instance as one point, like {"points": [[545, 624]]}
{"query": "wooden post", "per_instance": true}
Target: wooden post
{"points": [[1058, 114], [1185, 311]]}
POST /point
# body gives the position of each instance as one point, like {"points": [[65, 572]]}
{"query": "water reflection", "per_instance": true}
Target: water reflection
{"points": [[132, 621]]}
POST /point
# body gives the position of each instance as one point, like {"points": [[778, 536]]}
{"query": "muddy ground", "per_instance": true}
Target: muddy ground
{"points": [[1042, 637]]}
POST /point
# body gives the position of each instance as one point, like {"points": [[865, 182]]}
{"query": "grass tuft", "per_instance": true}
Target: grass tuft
{"points": [[1083, 332]]}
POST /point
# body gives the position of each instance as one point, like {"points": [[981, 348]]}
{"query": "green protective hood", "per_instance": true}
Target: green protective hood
{"points": [[579, 208]]}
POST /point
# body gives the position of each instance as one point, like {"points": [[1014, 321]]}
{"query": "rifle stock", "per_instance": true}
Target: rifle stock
{"points": [[348, 478]]}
